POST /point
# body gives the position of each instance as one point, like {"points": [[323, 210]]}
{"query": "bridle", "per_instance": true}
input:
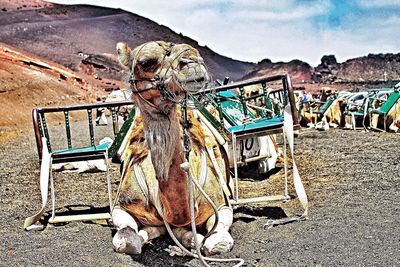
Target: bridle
{"points": [[157, 82]]}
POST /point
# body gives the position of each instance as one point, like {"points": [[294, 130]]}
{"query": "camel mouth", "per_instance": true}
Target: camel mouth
{"points": [[194, 72], [193, 85], [193, 82], [196, 80]]}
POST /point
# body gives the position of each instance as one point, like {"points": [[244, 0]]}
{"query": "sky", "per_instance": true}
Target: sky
{"points": [[281, 30]]}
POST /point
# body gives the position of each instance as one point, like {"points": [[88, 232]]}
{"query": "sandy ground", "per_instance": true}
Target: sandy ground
{"points": [[352, 179]]}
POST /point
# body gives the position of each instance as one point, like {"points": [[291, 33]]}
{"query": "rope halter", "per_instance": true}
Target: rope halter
{"points": [[177, 74]]}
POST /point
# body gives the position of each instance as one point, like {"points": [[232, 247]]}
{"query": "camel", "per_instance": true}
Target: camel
{"points": [[154, 188], [394, 117], [332, 116], [334, 113], [392, 120], [254, 90]]}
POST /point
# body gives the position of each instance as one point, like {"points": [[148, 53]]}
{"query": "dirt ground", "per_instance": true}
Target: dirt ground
{"points": [[352, 179]]}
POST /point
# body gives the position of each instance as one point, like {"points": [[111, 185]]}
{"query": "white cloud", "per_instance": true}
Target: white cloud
{"points": [[378, 3], [285, 11], [290, 15], [281, 30]]}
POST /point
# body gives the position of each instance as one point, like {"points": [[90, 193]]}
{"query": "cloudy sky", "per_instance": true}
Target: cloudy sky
{"points": [[281, 30]]}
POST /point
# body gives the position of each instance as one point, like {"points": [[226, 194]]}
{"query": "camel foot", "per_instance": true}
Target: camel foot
{"points": [[127, 241], [348, 126], [188, 240], [220, 242]]}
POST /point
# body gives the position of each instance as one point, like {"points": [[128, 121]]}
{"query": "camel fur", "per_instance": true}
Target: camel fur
{"points": [[154, 185]]}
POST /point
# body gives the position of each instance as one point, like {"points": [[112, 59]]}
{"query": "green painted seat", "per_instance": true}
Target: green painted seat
{"points": [[69, 153], [249, 116], [357, 113], [260, 123], [387, 106], [361, 110], [236, 115], [233, 110], [101, 147], [322, 109]]}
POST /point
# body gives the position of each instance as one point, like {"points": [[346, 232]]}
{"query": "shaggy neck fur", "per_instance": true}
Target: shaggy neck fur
{"points": [[163, 138]]}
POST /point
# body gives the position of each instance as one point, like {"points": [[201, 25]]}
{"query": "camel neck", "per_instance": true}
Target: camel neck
{"points": [[174, 191], [164, 140]]}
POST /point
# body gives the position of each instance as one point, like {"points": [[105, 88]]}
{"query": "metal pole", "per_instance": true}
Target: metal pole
{"points": [[236, 196], [285, 163]]}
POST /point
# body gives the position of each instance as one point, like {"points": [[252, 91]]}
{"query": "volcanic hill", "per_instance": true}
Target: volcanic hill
{"points": [[55, 55]]}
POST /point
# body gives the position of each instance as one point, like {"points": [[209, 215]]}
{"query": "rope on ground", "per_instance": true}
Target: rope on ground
{"points": [[198, 254]]}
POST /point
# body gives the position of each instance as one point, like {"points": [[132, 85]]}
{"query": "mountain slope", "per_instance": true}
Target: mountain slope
{"points": [[27, 81], [60, 33], [374, 67], [81, 37], [299, 71]]}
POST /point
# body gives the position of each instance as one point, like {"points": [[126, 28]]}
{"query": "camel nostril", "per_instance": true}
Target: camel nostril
{"points": [[183, 62], [182, 65]]}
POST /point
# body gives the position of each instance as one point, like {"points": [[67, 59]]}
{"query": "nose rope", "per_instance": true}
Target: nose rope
{"points": [[152, 81]]}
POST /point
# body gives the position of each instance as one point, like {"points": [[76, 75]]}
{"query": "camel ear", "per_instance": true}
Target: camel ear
{"points": [[164, 44], [124, 53]]}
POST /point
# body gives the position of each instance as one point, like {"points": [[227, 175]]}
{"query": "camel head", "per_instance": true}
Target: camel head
{"points": [[254, 90], [326, 92], [162, 73]]}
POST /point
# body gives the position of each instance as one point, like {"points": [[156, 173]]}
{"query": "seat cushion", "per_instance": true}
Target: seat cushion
{"points": [[104, 146], [270, 123]]}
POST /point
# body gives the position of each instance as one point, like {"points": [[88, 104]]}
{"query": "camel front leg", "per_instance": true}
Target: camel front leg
{"points": [[128, 238], [221, 241]]}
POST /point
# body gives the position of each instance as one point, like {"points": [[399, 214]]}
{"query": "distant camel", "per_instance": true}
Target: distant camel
{"points": [[333, 113]]}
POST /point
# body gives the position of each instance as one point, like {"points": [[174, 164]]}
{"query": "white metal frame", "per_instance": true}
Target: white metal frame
{"points": [[262, 131], [80, 217]]}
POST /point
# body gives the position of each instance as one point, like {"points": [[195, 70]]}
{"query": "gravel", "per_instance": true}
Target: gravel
{"points": [[352, 179]]}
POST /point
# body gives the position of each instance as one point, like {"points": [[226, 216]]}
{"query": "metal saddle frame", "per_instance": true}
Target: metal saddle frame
{"points": [[252, 124], [70, 154], [385, 109]]}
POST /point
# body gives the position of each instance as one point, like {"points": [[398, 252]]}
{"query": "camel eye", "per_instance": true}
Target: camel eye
{"points": [[148, 64]]}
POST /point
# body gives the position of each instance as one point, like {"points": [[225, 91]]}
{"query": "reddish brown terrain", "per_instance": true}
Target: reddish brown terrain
{"points": [[11, 5], [300, 71], [67, 34], [373, 68], [58, 55], [54, 55], [29, 81]]}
